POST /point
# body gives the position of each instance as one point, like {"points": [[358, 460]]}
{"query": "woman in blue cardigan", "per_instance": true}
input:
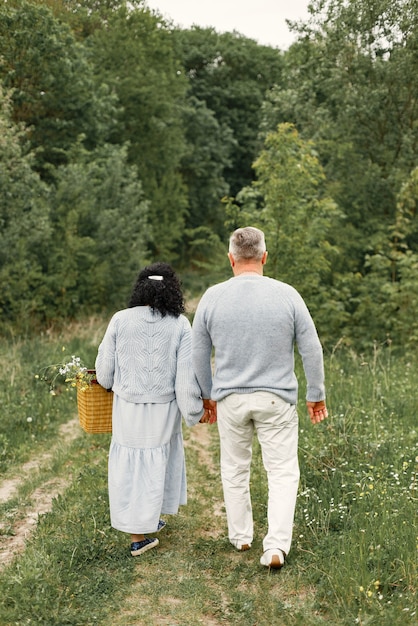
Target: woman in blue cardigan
{"points": [[145, 358]]}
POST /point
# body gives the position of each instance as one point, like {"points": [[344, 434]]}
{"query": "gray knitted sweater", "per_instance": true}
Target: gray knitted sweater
{"points": [[145, 357], [254, 322]]}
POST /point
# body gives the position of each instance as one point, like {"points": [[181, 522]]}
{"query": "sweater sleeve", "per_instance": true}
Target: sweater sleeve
{"points": [[105, 360], [188, 394], [310, 349], [202, 350]]}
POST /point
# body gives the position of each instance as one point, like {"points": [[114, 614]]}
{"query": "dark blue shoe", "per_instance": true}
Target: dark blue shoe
{"points": [[161, 525], [138, 547]]}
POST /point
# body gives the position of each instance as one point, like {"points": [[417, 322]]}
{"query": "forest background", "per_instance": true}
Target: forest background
{"points": [[125, 140]]}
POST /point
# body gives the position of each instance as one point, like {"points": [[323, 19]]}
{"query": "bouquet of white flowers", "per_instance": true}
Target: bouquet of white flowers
{"points": [[73, 374]]}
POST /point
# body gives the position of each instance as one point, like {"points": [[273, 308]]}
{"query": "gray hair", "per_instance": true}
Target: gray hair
{"points": [[247, 243]]}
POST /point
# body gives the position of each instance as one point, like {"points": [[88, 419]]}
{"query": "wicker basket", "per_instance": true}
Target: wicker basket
{"points": [[94, 407]]}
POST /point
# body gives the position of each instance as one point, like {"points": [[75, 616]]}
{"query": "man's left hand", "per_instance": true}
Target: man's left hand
{"points": [[317, 411]]}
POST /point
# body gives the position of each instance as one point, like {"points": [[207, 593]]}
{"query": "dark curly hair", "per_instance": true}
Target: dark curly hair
{"points": [[163, 294]]}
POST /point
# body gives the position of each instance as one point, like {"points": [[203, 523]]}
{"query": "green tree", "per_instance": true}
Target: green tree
{"points": [[100, 232], [350, 84], [76, 242], [209, 150], [133, 53], [288, 201], [387, 296], [54, 90], [231, 74], [25, 228], [187, 152]]}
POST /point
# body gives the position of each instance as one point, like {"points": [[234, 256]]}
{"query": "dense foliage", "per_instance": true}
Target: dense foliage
{"points": [[125, 139]]}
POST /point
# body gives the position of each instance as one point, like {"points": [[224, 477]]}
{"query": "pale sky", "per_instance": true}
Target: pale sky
{"points": [[262, 20]]}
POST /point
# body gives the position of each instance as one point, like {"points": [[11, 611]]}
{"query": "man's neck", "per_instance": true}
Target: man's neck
{"points": [[247, 268]]}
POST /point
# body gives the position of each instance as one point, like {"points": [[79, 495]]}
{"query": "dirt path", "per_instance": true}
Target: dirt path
{"points": [[200, 440], [12, 541], [17, 532]]}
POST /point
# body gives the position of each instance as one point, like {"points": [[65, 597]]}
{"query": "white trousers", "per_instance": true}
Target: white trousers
{"points": [[276, 424]]}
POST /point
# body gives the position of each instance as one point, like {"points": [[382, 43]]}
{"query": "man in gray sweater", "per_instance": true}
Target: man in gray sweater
{"points": [[253, 323]]}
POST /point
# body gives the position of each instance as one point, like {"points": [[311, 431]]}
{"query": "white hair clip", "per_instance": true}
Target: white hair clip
{"points": [[156, 277]]}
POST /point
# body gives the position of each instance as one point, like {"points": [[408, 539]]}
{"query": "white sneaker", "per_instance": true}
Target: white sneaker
{"points": [[273, 558]]}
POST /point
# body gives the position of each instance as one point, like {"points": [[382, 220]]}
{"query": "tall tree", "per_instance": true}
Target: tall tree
{"points": [[288, 201], [388, 293], [133, 54], [99, 221], [209, 153], [25, 229], [54, 90], [75, 240], [231, 74], [351, 85]]}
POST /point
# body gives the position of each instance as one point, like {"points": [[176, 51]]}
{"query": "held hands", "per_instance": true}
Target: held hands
{"points": [[317, 411], [209, 415]]}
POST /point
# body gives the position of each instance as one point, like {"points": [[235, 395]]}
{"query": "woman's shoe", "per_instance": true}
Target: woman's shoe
{"points": [[138, 547]]}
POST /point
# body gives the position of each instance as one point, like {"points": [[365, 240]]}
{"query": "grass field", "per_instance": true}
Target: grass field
{"points": [[354, 556]]}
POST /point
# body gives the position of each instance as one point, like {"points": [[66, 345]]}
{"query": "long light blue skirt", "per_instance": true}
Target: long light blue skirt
{"points": [[147, 472]]}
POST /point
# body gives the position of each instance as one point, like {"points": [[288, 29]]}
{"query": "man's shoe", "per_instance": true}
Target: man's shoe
{"points": [[161, 525], [273, 558], [138, 547], [241, 547]]}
